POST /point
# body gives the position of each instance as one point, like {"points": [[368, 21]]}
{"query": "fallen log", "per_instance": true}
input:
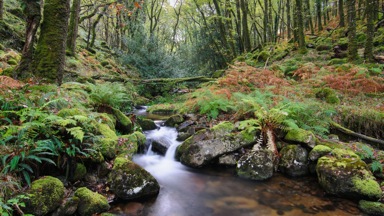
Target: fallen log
{"points": [[357, 135]]}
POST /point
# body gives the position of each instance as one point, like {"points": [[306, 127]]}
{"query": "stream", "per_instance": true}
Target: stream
{"points": [[190, 192]]}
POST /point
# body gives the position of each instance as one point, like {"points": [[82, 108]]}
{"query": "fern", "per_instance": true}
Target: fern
{"points": [[376, 166], [77, 133], [110, 94]]}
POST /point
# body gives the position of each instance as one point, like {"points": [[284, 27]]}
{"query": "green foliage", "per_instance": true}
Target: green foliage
{"points": [[6, 207], [114, 95], [212, 104]]}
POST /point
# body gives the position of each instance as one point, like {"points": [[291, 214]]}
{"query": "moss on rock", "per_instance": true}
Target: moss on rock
{"points": [[146, 124], [301, 136], [90, 202], [223, 128], [80, 172], [123, 123], [129, 181], [174, 120], [372, 208], [46, 195], [319, 151], [66, 112], [328, 95]]}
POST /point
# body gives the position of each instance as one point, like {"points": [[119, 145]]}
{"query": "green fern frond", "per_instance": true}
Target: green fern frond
{"points": [[65, 122], [77, 133]]}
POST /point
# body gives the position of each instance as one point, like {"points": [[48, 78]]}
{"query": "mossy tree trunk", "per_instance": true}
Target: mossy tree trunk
{"points": [[50, 52], [352, 42], [1, 9], [94, 25], [309, 16], [318, 12], [341, 13], [33, 17], [73, 26], [289, 33], [246, 39], [369, 11], [266, 21], [300, 26]]}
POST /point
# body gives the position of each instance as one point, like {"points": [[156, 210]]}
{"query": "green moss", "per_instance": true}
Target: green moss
{"points": [[372, 208], [319, 151], [223, 128], [367, 186], [108, 147], [263, 56], [301, 136], [344, 153], [123, 123], [66, 112], [329, 95], [247, 136], [106, 131], [337, 61], [146, 124], [128, 145], [47, 194], [80, 172], [218, 73], [162, 109], [174, 120], [90, 202], [12, 61]]}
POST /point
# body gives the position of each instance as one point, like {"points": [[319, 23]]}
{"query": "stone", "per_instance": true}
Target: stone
{"points": [[90, 202], [372, 208], [229, 159], [80, 172], [294, 161], [301, 136], [319, 151], [68, 207], [129, 181], [207, 145], [256, 165], [146, 124], [174, 120], [161, 145], [46, 195], [123, 123], [344, 174]]}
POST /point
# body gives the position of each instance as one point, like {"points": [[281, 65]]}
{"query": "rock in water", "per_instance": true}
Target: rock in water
{"points": [[256, 165], [206, 145], [129, 181], [344, 174], [294, 161], [90, 202]]}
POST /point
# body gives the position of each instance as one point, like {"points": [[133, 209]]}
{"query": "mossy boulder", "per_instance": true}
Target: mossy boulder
{"points": [[108, 141], [294, 161], [164, 109], [123, 123], [319, 151], [256, 165], [301, 136], [146, 124], [46, 195], [90, 202], [68, 207], [344, 174], [371, 208], [80, 172], [129, 181], [128, 145], [206, 145], [66, 112], [328, 95], [174, 120], [12, 61]]}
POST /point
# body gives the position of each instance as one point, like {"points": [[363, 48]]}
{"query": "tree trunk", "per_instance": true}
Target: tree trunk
{"points": [[33, 17], [300, 26], [309, 16], [289, 19], [341, 13], [266, 21], [368, 52], [1, 9], [94, 25], [50, 52], [318, 11], [246, 39], [73, 26], [352, 42], [238, 27]]}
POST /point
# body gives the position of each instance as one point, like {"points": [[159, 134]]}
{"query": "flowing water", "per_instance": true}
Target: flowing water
{"points": [[189, 192]]}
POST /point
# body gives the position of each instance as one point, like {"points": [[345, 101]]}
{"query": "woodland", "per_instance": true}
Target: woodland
{"points": [[304, 73]]}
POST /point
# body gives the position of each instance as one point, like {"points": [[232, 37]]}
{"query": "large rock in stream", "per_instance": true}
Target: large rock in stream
{"points": [[207, 145], [294, 161], [344, 174], [256, 165], [129, 181]]}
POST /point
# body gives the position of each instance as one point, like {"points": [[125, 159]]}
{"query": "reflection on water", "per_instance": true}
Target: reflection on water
{"points": [[188, 192]]}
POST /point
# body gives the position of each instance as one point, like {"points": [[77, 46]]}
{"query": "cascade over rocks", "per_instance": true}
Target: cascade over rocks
{"points": [[344, 174], [208, 144], [256, 165], [161, 145], [294, 161], [129, 181]]}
